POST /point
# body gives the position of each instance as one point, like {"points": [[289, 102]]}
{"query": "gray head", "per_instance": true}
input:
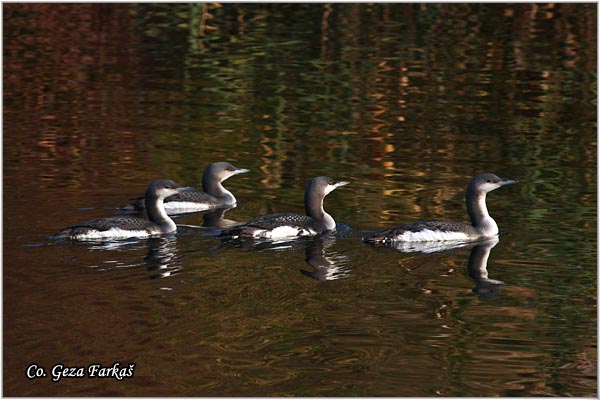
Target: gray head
{"points": [[485, 183], [163, 188], [323, 185], [316, 189], [155, 194], [219, 172]]}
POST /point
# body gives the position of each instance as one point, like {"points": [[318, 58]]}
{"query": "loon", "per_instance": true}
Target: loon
{"points": [[126, 226], [213, 196], [276, 226], [482, 225]]}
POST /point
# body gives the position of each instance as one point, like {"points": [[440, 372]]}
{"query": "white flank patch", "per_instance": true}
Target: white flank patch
{"points": [[283, 232], [113, 233], [429, 247], [183, 206], [428, 235]]}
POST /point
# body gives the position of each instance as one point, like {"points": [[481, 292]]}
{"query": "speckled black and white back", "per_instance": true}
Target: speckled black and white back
{"points": [[278, 226], [482, 224], [125, 226], [213, 195]]}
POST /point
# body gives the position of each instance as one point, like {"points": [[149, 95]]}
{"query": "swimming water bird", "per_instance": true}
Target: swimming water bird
{"points": [[482, 224], [213, 195], [276, 226], [124, 226]]}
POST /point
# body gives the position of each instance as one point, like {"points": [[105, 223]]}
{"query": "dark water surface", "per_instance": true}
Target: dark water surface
{"points": [[406, 101]]}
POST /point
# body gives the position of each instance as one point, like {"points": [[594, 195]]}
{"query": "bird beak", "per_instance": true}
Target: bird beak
{"points": [[341, 183], [241, 171], [508, 182]]}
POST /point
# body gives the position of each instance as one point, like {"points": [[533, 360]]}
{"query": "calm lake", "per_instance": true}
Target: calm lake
{"points": [[405, 101]]}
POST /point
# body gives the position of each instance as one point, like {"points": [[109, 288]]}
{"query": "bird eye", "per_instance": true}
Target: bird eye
{"points": [[489, 181]]}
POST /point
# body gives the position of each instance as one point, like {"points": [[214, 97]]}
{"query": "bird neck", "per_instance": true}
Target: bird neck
{"points": [[155, 210], [215, 188], [480, 217], [313, 204]]}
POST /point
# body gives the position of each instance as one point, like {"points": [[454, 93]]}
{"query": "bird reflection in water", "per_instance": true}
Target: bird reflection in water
{"points": [[485, 287], [129, 244], [161, 257], [159, 260], [215, 219], [327, 265]]}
